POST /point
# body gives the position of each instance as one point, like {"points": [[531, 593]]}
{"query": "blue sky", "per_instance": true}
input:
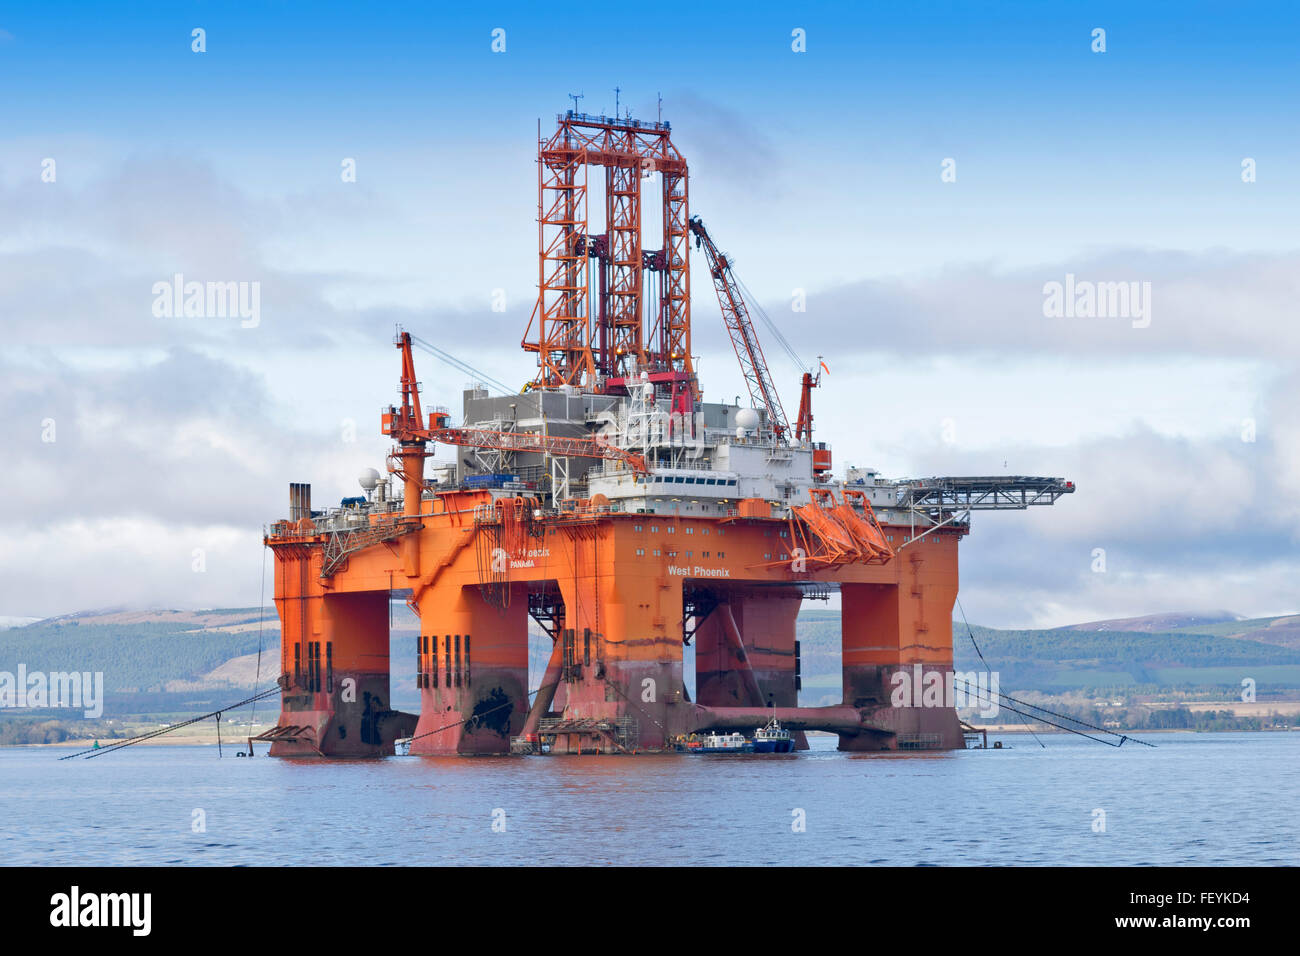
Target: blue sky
{"points": [[818, 171], [846, 137]]}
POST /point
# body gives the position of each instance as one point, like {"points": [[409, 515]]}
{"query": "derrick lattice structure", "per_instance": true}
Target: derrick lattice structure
{"points": [[600, 339]]}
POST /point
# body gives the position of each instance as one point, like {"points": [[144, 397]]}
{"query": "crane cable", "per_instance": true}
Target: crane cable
{"points": [[771, 326], [462, 366]]}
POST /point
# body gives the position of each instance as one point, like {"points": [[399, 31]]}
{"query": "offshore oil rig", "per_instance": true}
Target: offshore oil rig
{"points": [[611, 505]]}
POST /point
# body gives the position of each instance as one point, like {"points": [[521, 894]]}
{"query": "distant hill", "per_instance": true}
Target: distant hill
{"points": [[1131, 662], [1282, 631], [141, 653], [1212, 657], [167, 661], [8, 622], [1155, 622]]}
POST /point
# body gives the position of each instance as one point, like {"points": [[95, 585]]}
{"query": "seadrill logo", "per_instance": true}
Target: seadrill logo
{"points": [[75, 908]]}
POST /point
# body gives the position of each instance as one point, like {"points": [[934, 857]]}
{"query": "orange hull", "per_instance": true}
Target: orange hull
{"points": [[619, 591]]}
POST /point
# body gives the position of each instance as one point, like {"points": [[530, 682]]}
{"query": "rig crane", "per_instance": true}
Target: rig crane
{"points": [[803, 425], [743, 337]]}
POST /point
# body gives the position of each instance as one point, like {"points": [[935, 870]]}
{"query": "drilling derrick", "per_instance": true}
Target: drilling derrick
{"points": [[611, 509], [606, 347]]}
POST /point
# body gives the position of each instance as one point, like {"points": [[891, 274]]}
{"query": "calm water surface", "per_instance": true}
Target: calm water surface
{"points": [[1197, 799]]}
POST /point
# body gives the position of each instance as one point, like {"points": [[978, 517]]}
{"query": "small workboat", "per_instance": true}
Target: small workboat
{"points": [[714, 743], [733, 743], [772, 738], [402, 746]]}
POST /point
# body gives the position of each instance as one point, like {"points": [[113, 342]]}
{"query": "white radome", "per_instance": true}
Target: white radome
{"points": [[368, 479], [747, 418]]}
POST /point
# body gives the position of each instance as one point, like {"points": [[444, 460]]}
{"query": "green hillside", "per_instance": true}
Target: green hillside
{"points": [[164, 662], [1063, 661], [1060, 661], [134, 658]]}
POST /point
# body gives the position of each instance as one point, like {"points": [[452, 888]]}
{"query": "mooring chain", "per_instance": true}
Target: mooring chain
{"points": [[983, 694], [490, 710], [96, 751]]}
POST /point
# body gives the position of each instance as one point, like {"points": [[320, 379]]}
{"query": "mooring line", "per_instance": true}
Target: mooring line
{"points": [[981, 693], [971, 633], [261, 616], [96, 751], [490, 710]]}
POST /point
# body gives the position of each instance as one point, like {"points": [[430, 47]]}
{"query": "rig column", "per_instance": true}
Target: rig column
{"points": [[474, 670], [897, 646]]}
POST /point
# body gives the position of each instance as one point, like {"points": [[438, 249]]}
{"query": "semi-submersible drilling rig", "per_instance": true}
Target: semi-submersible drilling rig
{"points": [[627, 517]]}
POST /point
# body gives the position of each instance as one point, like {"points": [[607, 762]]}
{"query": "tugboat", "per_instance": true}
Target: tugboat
{"points": [[772, 738]]}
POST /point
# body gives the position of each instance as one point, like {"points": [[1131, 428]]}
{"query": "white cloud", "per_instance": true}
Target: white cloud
{"points": [[176, 434], [69, 565]]}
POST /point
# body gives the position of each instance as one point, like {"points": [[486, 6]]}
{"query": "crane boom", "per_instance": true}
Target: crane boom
{"points": [[735, 314]]}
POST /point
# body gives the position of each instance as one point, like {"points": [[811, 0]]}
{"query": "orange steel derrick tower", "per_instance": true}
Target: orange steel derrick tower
{"points": [[607, 346], [658, 539]]}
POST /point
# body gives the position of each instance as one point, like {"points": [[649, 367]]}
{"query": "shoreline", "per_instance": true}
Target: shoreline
{"points": [[241, 742]]}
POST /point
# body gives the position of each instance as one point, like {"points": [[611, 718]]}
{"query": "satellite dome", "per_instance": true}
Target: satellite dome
{"points": [[368, 479], [747, 418]]}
